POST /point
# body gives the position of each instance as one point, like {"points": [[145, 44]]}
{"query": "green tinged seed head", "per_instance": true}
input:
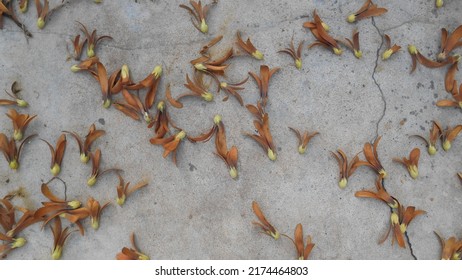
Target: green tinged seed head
{"points": [[275, 235], [107, 103], [413, 171], [125, 72], [181, 135], [40, 23], [432, 150], [200, 67], [147, 117], [14, 164], [143, 257], [17, 135], [84, 158], [161, 106], [358, 54], [18, 243], [233, 172], [217, 119], [207, 96], [91, 181], [386, 55], [337, 51], [439, 3], [94, 223], [301, 149], [403, 228], [204, 27], [298, 63], [394, 218], [121, 200], [55, 169], [343, 183], [157, 71], [91, 51], [75, 68], [23, 8], [412, 49], [393, 205], [22, 103], [351, 18], [446, 145], [57, 252], [74, 204], [258, 55], [325, 26], [271, 155]]}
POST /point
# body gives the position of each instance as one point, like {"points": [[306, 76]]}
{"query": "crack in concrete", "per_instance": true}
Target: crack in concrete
{"points": [[409, 22], [376, 83], [410, 245]]}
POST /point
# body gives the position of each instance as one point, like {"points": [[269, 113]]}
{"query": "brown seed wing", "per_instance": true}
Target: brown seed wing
{"points": [[447, 103], [232, 157], [453, 39], [372, 12], [136, 187], [414, 156], [299, 239], [102, 78], [204, 137], [60, 148], [444, 38], [428, 62], [364, 7], [450, 77]]}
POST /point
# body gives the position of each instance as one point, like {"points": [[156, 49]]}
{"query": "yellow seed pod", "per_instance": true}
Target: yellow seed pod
{"points": [[337, 51], [446, 145], [161, 106], [18, 242], [432, 150], [271, 155], [217, 119], [74, 204], [233, 172], [91, 181], [413, 171], [157, 71], [55, 170], [207, 96], [121, 200], [204, 27], [40, 23], [57, 252], [412, 49], [351, 18], [386, 55], [14, 164], [107, 103], [22, 103], [258, 55], [343, 183], [181, 135]]}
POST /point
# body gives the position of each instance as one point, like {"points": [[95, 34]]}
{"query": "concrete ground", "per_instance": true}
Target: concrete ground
{"points": [[195, 210]]}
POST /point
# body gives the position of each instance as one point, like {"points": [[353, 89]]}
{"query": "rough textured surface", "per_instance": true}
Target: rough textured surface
{"points": [[195, 211]]}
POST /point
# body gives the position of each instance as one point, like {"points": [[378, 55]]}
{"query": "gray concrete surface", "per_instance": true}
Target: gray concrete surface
{"points": [[195, 211]]}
